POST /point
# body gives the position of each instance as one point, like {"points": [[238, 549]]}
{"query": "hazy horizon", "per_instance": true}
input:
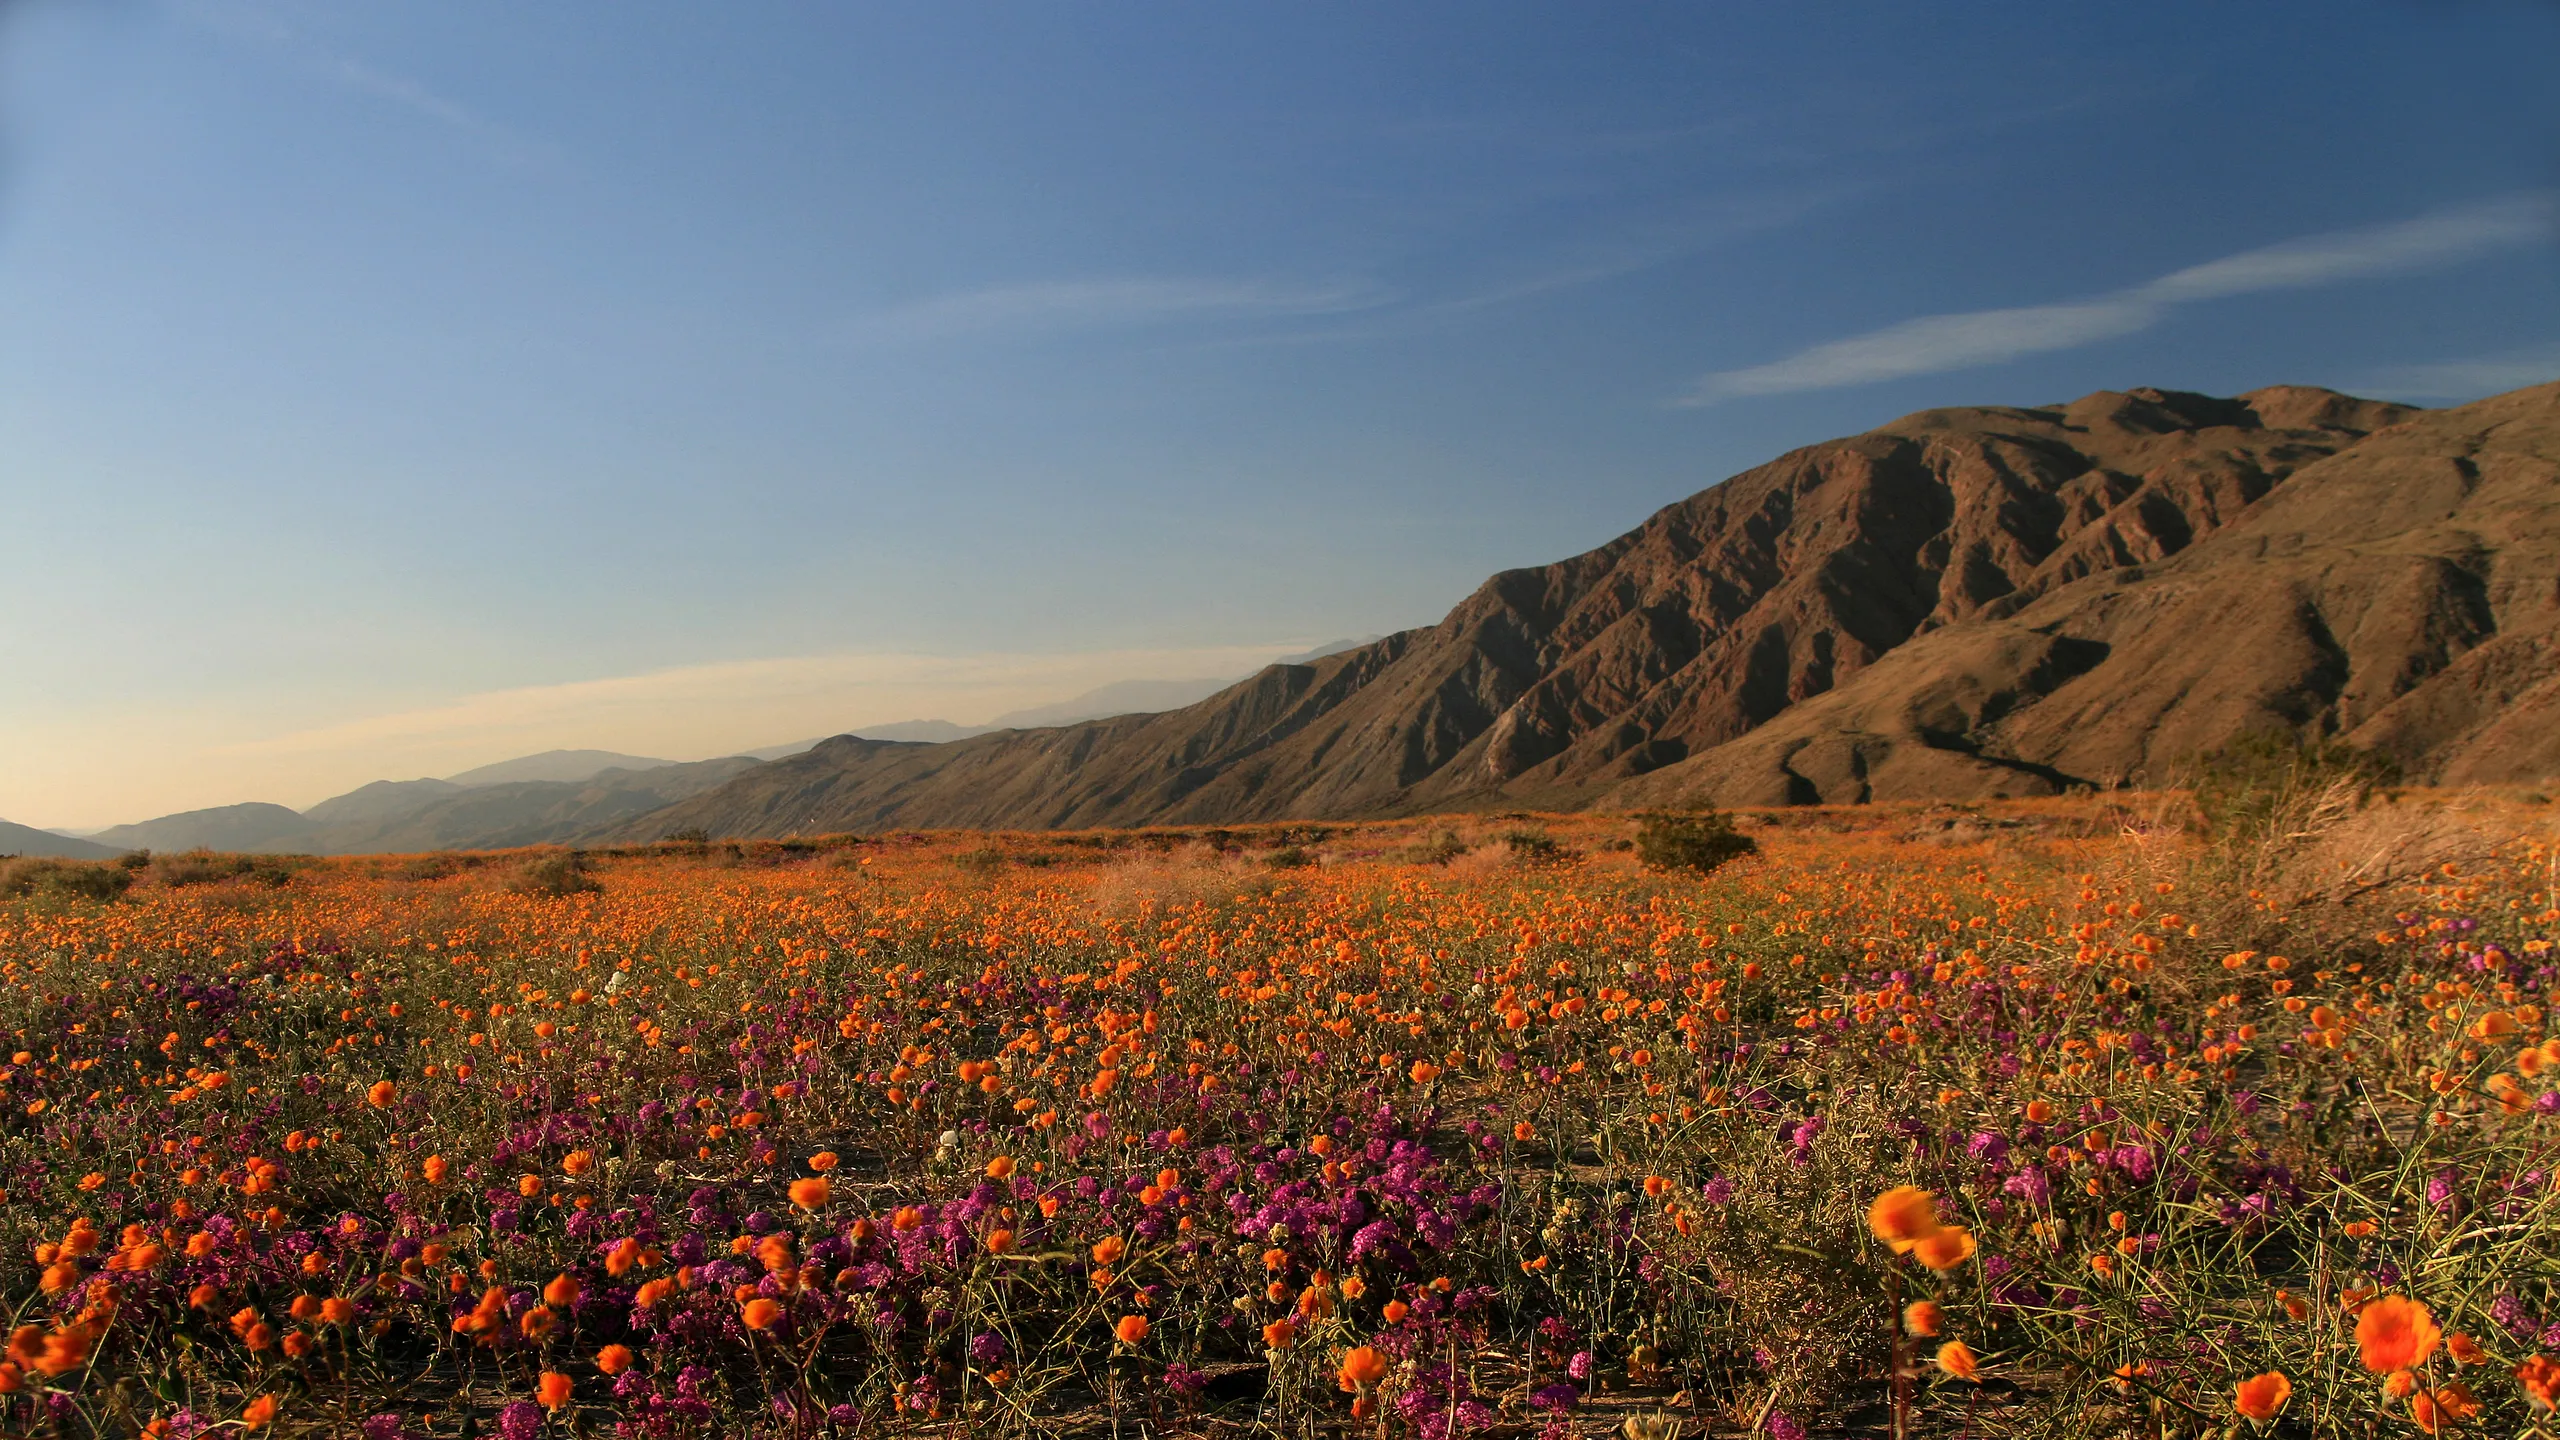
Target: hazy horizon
{"points": [[389, 390]]}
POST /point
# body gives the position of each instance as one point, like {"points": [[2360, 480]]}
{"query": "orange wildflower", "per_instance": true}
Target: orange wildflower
{"points": [[2260, 1396], [2395, 1333], [1902, 1217], [1945, 1249], [1957, 1359], [2540, 1377]]}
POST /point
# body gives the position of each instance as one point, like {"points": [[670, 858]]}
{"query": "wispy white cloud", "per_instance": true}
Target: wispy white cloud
{"points": [[1635, 248], [1937, 343], [1115, 301], [698, 709], [2467, 379], [2426, 243], [1934, 343], [265, 25]]}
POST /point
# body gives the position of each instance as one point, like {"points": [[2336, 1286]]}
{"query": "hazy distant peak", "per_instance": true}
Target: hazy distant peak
{"points": [[252, 826], [379, 799], [28, 840], [1123, 697], [931, 732], [1330, 647], [558, 766]]}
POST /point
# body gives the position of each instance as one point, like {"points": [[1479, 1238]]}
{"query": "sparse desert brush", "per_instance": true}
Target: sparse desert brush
{"points": [[2014, 1139], [1438, 847], [554, 876], [1192, 875], [1697, 842], [1534, 845], [67, 879], [206, 867]]}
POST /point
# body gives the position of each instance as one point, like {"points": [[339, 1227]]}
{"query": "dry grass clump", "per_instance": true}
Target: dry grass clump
{"points": [[1196, 873]]}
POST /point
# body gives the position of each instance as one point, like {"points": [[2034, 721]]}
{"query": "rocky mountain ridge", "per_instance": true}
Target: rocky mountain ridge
{"points": [[1963, 603]]}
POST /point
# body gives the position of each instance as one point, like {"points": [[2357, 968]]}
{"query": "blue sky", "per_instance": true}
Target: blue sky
{"points": [[390, 386]]}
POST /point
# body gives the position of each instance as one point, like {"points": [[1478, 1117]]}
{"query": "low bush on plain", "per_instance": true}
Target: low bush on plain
{"points": [[69, 879], [1698, 843], [554, 877]]}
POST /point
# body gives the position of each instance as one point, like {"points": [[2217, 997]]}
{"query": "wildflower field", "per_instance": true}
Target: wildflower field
{"points": [[2033, 1120]]}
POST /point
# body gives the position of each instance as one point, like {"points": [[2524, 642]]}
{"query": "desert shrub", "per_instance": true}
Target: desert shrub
{"points": [[1698, 842], [1530, 845], [686, 835], [2264, 787], [71, 879], [1437, 848], [2288, 821], [1196, 874], [1288, 857], [206, 867], [135, 860], [555, 876], [985, 860], [439, 866]]}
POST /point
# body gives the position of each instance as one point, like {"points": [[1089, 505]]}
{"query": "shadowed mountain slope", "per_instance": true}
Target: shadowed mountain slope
{"points": [[1962, 603], [2403, 593]]}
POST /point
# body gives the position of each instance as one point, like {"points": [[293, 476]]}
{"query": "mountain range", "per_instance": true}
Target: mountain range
{"points": [[1964, 603], [397, 816], [558, 796]]}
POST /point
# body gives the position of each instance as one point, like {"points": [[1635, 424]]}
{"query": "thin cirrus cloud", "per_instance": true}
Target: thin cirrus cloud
{"points": [[1112, 302], [2469, 377], [1936, 343], [700, 709], [264, 25]]}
